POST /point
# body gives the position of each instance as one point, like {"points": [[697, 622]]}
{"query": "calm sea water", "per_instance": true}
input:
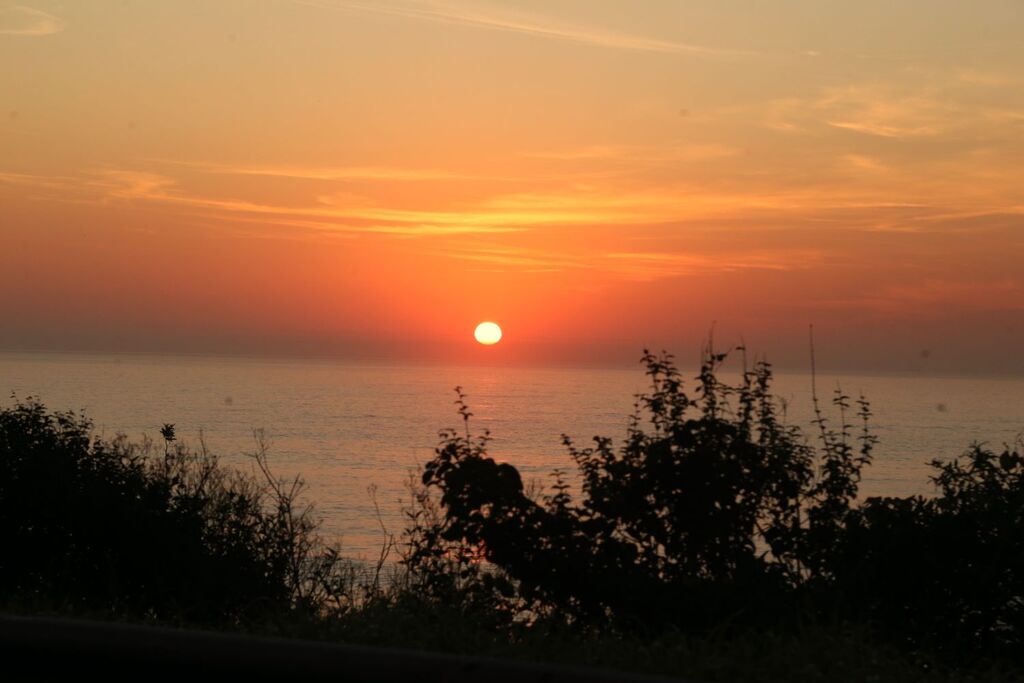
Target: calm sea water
{"points": [[347, 427]]}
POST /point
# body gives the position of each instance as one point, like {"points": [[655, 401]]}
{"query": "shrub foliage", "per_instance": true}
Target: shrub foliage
{"points": [[713, 510], [110, 527]]}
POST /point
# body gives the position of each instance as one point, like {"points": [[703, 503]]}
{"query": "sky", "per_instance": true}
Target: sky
{"points": [[370, 179]]}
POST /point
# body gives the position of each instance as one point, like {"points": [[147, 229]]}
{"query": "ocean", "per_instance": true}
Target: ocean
{"points": [[350, 429]]}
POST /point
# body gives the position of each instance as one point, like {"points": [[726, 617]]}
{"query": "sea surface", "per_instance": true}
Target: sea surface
{"points": [[348, 429]]}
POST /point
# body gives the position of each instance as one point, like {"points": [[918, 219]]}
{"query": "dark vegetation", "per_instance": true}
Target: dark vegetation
{"points": [[143, 532], [715, 541]]}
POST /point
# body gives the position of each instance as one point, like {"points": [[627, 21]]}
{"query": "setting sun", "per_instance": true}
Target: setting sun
{"points": [[487, 333]]}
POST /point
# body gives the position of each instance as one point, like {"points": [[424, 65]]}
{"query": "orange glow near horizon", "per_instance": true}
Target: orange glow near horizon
{"points": [[320, 177]]}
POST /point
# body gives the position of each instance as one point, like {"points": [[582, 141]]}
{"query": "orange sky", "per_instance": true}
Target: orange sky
{"points": [[372, 178]]}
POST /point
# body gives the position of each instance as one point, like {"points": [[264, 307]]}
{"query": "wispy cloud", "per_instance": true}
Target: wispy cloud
{"points": [[639, 153], [327, 216], [604, 207], [305, 172], [994, 79], [657, 265], [41, 181], [135, 185], [501, 213], [345, 212], [944, 106], [882, 111], [637, 265], [19, 20], [501, 19], [531, 260]]}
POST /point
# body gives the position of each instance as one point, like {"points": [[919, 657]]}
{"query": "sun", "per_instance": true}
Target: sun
{"points": [[487, 333]]}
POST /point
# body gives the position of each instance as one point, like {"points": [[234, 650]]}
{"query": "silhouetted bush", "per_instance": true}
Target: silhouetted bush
{"points": [[712, 506], [714, 513], [131, 530], [946, 571]]}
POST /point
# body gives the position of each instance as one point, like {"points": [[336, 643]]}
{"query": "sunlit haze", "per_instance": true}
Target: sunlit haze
{"points": [[371, 179]]}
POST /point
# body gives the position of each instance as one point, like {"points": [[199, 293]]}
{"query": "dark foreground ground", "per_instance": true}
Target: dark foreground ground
{"points": [[37, 648]]}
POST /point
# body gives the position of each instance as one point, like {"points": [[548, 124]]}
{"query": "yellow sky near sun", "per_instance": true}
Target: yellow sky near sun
{"points": [[373, 178]]}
